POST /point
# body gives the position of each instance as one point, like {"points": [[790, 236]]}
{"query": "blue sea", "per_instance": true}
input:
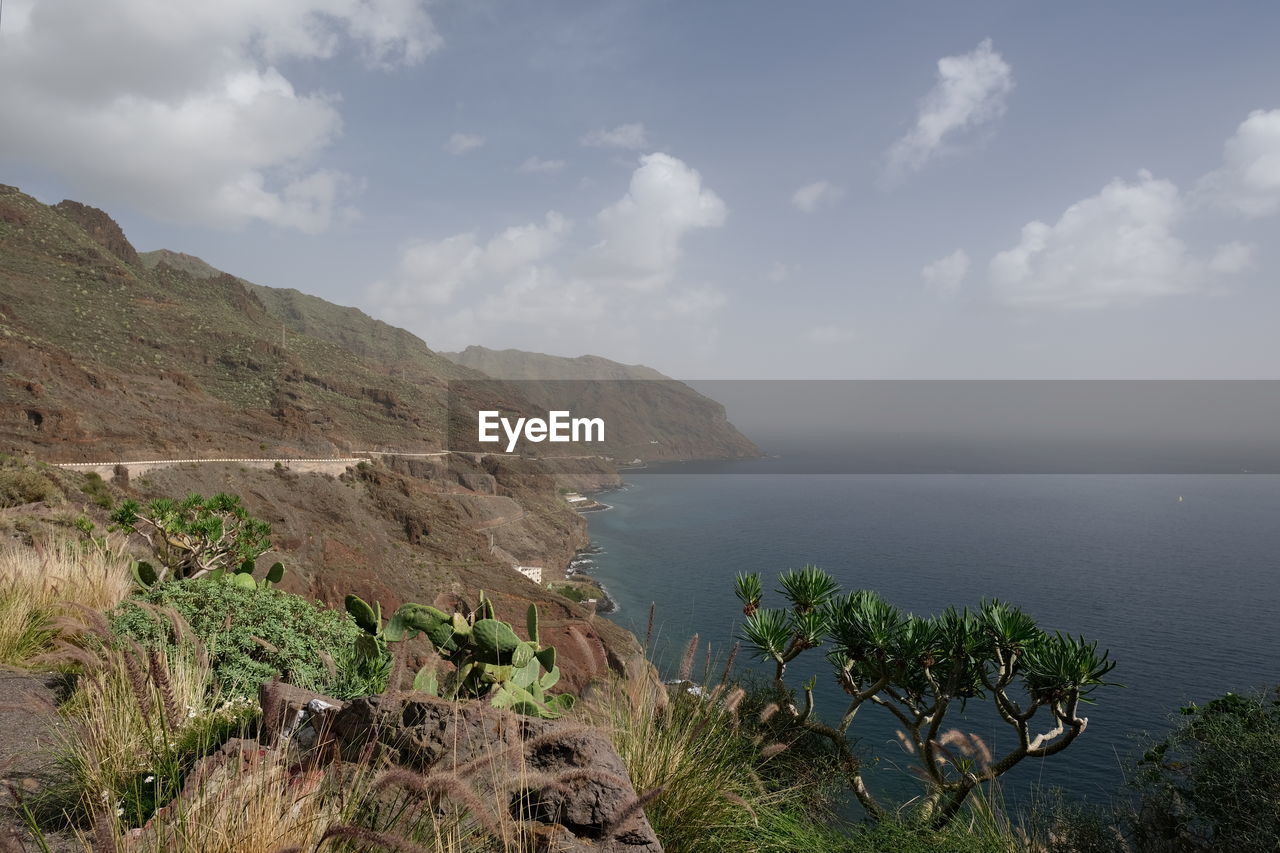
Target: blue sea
{"points": [[1177, 575]]}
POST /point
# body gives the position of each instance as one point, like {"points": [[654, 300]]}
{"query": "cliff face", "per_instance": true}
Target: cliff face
{"points": [[648, 416]]}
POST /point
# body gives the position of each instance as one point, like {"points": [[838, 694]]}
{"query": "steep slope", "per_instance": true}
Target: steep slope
{"points": [[647, 415], [398, 350], [199, 365]]}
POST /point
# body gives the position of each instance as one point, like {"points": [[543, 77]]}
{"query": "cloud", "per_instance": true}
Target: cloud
{"points": [[971, 90], [695, 302], [432, 272], [642, 233], [1231, 258], [829, 334], [1115, 248], [527, 285], [537, 166], [180, 109], [461, 143], [945, 275], [1248, 182], [817, 194], [778, 273], [629, 136]]}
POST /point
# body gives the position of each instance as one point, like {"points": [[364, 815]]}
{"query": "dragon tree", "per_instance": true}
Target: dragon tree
{"points": [[919, 669]]}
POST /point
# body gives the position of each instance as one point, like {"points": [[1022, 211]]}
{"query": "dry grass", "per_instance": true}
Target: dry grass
{"points": [[37, 583], [693, 749], [129, 717], [141, 718], [259, 804]]}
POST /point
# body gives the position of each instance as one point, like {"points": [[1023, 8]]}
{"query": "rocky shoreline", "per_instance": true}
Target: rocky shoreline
{"points": [[581, 566]]}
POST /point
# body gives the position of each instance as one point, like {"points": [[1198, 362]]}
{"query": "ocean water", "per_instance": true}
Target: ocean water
{"points": [[1184, 593]]}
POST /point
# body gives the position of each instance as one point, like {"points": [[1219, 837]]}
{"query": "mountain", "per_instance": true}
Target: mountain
{"points": [[111, 355], [400, 352], [107, 355], [520, 365], [647, 415]]}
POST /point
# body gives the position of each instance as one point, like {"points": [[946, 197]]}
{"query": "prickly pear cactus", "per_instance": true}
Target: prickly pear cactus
{"points": [[489, 658]]}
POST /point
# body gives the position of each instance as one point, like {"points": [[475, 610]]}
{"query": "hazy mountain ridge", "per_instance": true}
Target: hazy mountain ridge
{"points": [[648, 416], [522, 365]]}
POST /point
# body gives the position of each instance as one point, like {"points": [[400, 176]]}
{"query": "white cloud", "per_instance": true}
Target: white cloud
{"points": [[1231, 258], [695, 302], [629, 136], [642, 233], [971, 90], [526, 285], [432, 272], [1123, 245], [537, 166], [817, 194], [1114, 248], [1249, 180], [945, 275], [179, 108], [461, 143], [778, 273]]}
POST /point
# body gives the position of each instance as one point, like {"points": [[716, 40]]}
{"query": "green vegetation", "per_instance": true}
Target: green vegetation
{"points": [[20, 485], [164, 680], [98, 490], [921, 668], [195, 536], [1213, 783], [577, 590], [251, 635], [138, 720], [725, 772], [489, 660], [738, 774]]}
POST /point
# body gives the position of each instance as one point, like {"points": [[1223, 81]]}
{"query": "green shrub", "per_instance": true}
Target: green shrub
{"points": [[1214, 782], [20, 486], [569, 591], [735, 776], [98, 490], [1063, 825], [251, 635]]}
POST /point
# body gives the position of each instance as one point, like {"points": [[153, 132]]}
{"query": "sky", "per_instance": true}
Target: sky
{"points": [[741, 190]]}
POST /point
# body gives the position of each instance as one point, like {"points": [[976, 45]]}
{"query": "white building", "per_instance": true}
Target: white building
{"points": [[533, 573]]}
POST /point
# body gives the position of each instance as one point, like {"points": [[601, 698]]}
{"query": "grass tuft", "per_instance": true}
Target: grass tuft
{"points": [[40, 584]]}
